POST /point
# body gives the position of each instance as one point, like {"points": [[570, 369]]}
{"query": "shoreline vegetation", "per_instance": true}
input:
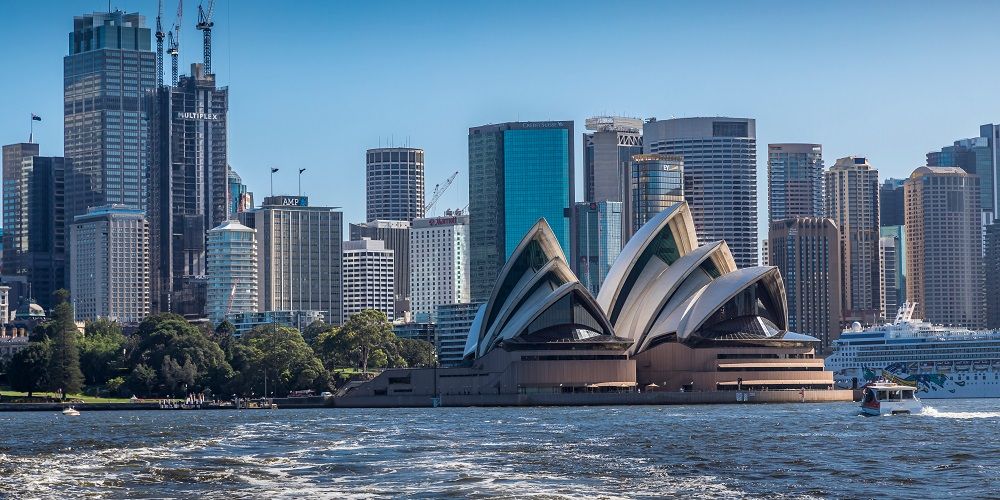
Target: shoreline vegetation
{"points": [[167, 357]]}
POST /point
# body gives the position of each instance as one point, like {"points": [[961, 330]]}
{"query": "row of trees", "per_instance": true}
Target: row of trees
{"points": [[167, 356]]}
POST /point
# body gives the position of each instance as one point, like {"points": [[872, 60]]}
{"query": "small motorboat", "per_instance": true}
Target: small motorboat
{"points": [[889, 398], [69, 410]]}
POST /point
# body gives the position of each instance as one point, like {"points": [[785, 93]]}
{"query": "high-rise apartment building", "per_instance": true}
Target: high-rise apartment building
{"points": [[893, 279], [794, 181], [396, 236], [598, 241], [453, 324], [607, 151], [943, 246], [654, 183], [519, 172], [232, 270], [852, 202], [109, 265], [15, 209], [394, 183], [188, 184], [439, 263], [720, 176], [368, 278], [890, 203], [35, 208], [888, 258], [807, 251], [299, 253], [107, 76]]}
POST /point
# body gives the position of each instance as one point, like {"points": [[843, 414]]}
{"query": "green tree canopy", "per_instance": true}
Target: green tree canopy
{"points": [[29, 367], [64, 372], [168, 335], [358, 341], [101, 351], [283, 355], [417, 353], [312, 332]]}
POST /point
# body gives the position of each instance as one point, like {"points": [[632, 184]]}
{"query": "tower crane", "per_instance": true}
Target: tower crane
{"points": [[438, 191], [159, 44], [174, 41], [205, 25]]}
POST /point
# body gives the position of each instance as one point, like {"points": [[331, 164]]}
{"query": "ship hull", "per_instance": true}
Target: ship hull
{"points": [[931, 383]]}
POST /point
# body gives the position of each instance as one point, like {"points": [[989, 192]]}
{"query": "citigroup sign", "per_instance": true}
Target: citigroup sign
{"points": [[181, 115]]}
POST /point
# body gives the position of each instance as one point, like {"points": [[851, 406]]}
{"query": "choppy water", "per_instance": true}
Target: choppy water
{"points": [[794, 450]]}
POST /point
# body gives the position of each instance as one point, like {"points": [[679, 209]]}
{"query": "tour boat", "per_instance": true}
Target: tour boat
{"points": [[889, 398], [69, 410]]}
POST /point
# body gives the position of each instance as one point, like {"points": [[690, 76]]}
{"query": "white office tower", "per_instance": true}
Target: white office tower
{"points": [[439, 263], [109, 270], [232, 270], [368, 277]]}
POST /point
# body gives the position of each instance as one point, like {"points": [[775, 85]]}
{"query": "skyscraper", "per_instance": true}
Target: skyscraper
{"points": [[453, 324], [109, 266], [439, 263], [106, 77], [720, 176], [240, 198], [888, 258], [807, 251], [519, 172], [794, 181], [607, 150], [394, 183], [852, 203], [894, 279], [299, 254], [396, 236], [653, 183], [890, 203], [35, 208], [368, 278], [188, 184], [943, 246], [976, 155], [992, 273], [14, 207], [598, 241], [232, 270]]}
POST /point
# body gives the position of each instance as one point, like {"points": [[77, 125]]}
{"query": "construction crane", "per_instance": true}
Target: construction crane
{"points": [[159, 44], [205, 25], [438, 191], [174, 41]]}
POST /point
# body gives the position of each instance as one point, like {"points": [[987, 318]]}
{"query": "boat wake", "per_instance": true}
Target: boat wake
{"points": [[929, 411]]}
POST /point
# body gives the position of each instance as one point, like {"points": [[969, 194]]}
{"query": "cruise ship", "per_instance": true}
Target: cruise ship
{"points": [[942, 362]]}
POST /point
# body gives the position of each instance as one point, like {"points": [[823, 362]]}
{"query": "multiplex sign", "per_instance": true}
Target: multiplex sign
{"points": [[181, 115]]}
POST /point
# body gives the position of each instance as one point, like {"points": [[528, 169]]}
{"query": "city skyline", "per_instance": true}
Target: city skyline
{"points": [[441, 67]]}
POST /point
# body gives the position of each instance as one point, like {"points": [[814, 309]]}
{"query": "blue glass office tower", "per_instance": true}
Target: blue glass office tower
{"points": [[598, 241], [976, 155], [519, 172], [106, 77]]}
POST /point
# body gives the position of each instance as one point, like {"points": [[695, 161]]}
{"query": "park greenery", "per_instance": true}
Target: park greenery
{"points": [[166, 356]]}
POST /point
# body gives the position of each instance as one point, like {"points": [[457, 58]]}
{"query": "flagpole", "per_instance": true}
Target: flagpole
{"points": [[31, 128]]}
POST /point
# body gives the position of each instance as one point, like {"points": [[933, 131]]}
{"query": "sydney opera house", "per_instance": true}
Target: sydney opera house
{"points": [[672, 315]]}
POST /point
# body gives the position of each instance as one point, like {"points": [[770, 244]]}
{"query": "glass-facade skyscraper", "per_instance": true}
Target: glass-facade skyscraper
{"points": [[519, 172], [890, 202], [720, 176], [654, 183], [794, 181], [106, 77], [598, 241], [607, 150]]}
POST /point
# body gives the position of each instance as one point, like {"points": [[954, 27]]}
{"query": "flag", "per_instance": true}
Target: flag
{"points": [[302, 170], [273, 170], [35, 117]]}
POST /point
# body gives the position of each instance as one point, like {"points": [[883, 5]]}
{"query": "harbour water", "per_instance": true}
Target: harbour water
{"points": [[729, 451]]}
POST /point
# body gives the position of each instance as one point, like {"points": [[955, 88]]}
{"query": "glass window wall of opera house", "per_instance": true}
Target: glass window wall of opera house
{"points": [[672, 315]]}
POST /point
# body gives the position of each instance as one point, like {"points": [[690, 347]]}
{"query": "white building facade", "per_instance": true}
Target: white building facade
{"points": [[439, 263], [232, 270], [109, 265], [368, 278]]}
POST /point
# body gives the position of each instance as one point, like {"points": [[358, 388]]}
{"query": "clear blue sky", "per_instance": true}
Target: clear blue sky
{"points": [[313, 84]]}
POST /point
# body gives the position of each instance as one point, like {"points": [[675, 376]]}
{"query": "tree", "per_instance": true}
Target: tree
{"points": [[365, 333], [29, 367], [101, 351], [143, 380], [164, 335], [417, 353], [282, 355], [312, 332], [64, 359]]}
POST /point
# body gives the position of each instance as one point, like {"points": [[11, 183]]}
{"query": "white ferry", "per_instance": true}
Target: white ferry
{"points": [[888, 398], [941, 362]]}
